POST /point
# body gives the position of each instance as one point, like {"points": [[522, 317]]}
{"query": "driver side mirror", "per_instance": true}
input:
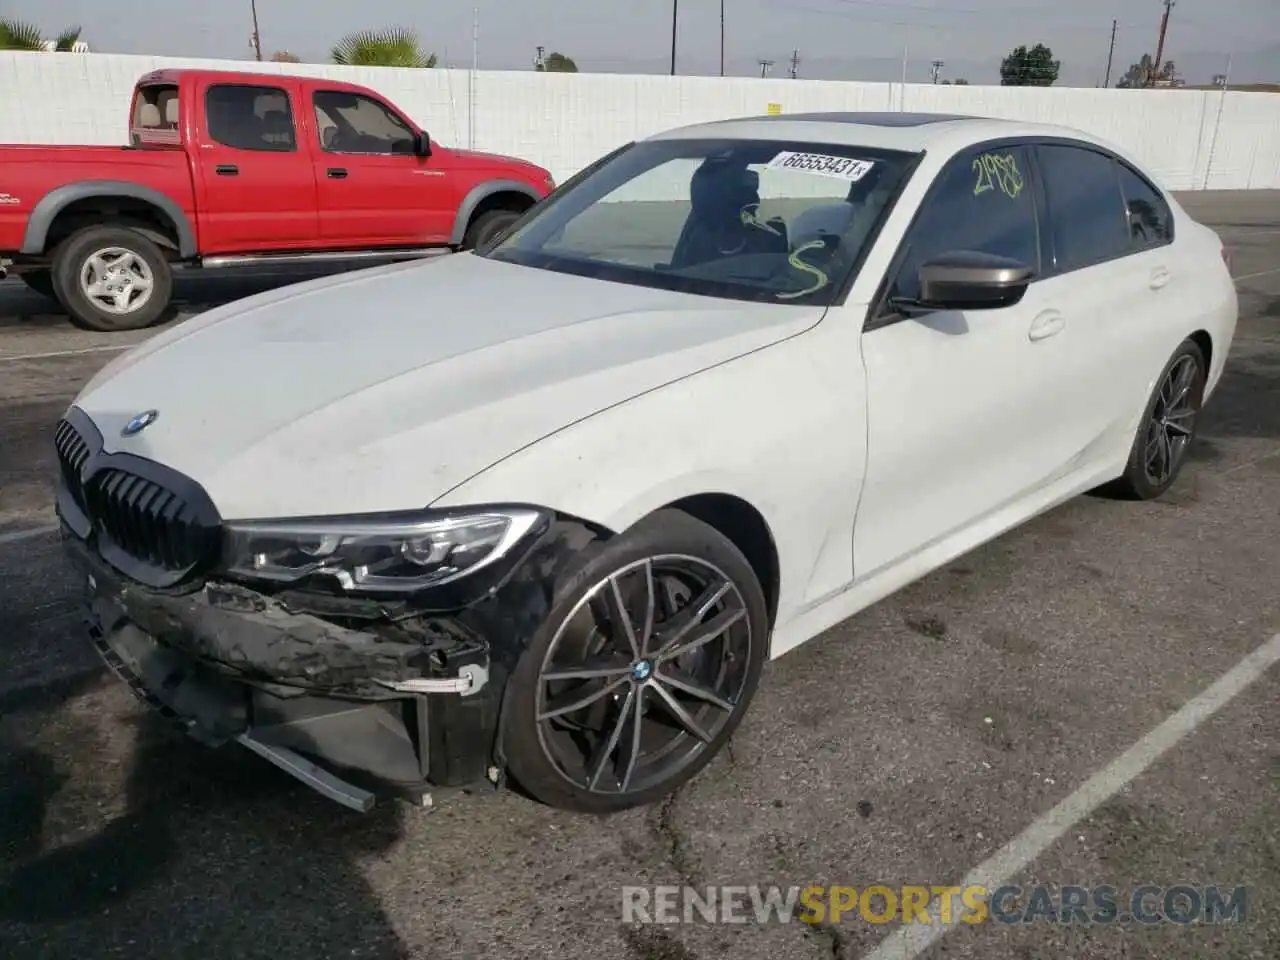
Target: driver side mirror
{"points": [[970, 280], [421, 144]]}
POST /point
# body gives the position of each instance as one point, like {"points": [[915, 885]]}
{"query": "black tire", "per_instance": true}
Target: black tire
{"points": [[1140, 481], [487, 226], [668, 536], [71, 258], [39, 281]]}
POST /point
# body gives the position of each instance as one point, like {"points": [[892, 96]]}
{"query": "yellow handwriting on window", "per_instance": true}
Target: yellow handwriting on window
{"points": [[998, 171]]}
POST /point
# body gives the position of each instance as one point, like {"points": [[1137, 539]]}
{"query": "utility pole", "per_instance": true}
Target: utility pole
{"points": [[765, 66], [937, 69], [257, 39], [1164, 27], [539, 62], [675, 10], [722, 38], [795, 64], [1110, 54]]}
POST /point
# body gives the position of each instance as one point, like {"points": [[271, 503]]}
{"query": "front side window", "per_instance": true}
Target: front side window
{"points": [[982, 201], [770, 221], [1150, 219], [250, 117], [1090, 224], [351, 123]]}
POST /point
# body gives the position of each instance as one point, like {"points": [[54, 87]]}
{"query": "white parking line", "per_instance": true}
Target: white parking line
{"points": [[67, 353], [911, 941], [17, 536], [1260, 273]]}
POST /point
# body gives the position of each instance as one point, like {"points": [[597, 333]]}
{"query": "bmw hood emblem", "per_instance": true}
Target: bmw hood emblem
{"points": [[139, 422]]}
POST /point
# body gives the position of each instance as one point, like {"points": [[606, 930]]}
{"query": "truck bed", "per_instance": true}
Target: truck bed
{"points": [[29, 172]]}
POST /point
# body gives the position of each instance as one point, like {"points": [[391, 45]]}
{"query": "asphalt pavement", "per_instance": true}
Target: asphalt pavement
{"points": [[912, 744]]}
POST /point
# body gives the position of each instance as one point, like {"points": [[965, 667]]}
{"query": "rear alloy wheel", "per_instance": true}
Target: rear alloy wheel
{"points": [[1168, 426], [112, 279], [641, 673]]}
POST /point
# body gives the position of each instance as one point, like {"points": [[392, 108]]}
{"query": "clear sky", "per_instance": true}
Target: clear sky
{"points": [[836, 39]]}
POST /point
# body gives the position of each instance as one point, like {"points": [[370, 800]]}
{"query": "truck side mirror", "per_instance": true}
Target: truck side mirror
{"points": [[421, 144]]}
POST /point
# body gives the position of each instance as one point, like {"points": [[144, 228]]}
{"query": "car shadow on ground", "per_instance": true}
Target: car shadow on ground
{"points": [[213, 851]]}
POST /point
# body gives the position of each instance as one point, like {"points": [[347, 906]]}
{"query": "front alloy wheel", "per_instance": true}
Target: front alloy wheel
{"points": [[642, 672]]}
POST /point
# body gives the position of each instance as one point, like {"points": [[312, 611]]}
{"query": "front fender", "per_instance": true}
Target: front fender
{"points": [[56, 200]]}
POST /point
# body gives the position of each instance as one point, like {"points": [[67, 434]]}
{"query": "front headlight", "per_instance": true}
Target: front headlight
{"points": [[385, 554]]}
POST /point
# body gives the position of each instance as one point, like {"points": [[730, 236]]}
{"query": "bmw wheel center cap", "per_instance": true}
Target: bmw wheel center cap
{"points": [[139, 422]]}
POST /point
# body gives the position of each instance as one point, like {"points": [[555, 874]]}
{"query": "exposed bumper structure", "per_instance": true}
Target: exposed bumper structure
{"points": [[348, 712]]}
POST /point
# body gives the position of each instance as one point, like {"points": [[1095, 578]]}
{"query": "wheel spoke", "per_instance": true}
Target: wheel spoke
{"points": [[629, 748], [601, 758], [682, 715], [704, 634], [576, 700], [601, 667], [121, 298], [1176, 428], [650, 608], [686, 619], [620, 618], [671, 677]]}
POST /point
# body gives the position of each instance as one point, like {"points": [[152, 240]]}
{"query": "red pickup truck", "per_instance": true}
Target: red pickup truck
{"points": [[227, 168]]}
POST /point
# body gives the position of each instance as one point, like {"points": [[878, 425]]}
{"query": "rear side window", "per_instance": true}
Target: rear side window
{"points": [[1150, 219], [250, 117], [982, 201], [1086, 207], [155, 114]]}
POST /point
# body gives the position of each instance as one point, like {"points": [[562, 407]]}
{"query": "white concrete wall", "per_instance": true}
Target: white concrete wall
{"points": [[1190, 139]]}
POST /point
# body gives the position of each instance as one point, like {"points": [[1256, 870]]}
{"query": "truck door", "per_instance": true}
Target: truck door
{"points": [[257, 182], [373, 190]]}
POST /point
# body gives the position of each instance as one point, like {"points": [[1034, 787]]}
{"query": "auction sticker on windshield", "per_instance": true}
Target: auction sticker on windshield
{"points": [[843, 168]]}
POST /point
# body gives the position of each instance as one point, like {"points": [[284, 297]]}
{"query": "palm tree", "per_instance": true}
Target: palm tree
{"points": [[17, 35], [393, 47]]}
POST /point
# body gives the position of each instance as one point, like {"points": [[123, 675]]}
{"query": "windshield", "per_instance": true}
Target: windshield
{"points": [[762, 220]]}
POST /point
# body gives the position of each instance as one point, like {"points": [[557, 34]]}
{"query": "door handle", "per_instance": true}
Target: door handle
{"points": [[337, 173], [226, 170], [1046, 325], [1159, 277]]}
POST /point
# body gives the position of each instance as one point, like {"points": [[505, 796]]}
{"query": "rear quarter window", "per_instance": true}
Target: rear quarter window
{"points": [[1150, 219]]}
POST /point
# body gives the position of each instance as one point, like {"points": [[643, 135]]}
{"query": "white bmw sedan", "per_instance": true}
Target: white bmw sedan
{"points": [[544, 510]]}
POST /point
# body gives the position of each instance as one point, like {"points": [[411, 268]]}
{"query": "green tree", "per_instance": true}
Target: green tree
{"points": [[16, 35], [1144, 74], [284, 56], [558, 63], [1029, 68], [392, 47]]}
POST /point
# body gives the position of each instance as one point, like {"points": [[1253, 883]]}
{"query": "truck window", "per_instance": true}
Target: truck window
{"points": [[155, 114], [250, 117], [352, 123]]}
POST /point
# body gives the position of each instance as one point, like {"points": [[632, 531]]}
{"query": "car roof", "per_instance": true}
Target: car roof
{"points": [[911, 132]]}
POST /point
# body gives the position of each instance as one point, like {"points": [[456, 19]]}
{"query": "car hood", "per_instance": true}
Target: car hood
{"points": [[386, 388]]}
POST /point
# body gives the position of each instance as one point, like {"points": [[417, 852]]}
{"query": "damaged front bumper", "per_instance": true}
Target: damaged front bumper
{"points": [[352, 710]]}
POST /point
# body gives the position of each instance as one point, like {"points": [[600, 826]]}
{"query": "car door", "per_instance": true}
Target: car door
{"points": [[258, 191], [961, 403], [1109, 240], [373, 189]]}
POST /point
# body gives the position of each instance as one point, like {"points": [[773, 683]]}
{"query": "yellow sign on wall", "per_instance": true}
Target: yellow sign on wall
{"points": [[775, 109]]}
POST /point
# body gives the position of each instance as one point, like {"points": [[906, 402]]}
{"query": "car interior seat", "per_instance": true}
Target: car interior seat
{"points": [[171, 113], [721, 191], [277, 130], [149, 116]]}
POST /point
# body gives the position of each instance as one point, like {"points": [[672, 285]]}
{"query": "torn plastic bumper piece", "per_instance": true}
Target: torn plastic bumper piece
{"points": [[352, 713]]}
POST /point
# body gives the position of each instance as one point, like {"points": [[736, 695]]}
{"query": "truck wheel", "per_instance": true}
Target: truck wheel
{"points": [[39, 281], [112, 279], [487, 226]]}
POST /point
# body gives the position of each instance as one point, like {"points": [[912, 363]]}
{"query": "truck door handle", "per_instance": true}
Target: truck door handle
{"points": [[337, 173], [226, 170], [1046, 325]]}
